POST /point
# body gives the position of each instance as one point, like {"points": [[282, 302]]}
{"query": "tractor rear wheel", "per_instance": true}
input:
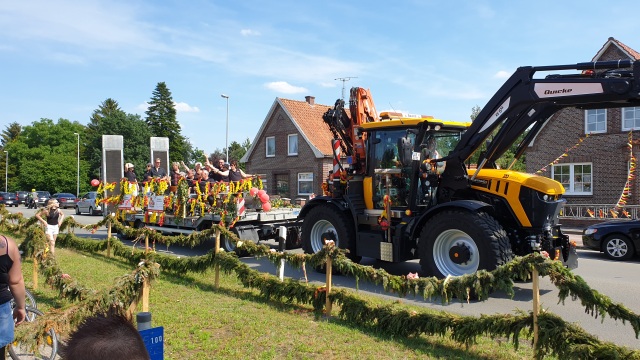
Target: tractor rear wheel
{"points": [[458, 242]]}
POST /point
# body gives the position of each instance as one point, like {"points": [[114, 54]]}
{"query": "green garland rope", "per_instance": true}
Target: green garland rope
{"points": [[556, 336]]}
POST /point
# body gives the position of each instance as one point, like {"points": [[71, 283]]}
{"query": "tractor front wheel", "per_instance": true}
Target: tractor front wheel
{"points": [[458, 242]]}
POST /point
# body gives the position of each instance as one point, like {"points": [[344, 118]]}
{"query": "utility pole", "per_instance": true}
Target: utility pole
{"points": [[344, 80]]}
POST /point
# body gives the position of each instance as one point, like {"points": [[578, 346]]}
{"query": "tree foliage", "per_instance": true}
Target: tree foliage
{"points": [[161, 119], [507, 158], [236, 152], [109, 119], [46, 156], [11, 133]]}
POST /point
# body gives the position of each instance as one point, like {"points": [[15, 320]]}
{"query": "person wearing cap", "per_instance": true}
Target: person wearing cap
{"points": [[53, 216], [147, 173], [34, 198], [131, 178]]}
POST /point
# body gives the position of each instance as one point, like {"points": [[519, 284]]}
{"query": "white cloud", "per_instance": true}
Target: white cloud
{"points": [[143, 107], [502, 74], [184, 107], [328, 84], [249, 32], [284, 87]]}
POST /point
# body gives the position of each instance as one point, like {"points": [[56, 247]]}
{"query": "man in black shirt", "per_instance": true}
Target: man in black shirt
{"points": [[159, 172]]}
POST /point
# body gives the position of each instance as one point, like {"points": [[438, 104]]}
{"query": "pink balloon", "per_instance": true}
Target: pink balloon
{"points": [[264, 197], [266, 206], [95, 182], [253, 191], [260, 192]]}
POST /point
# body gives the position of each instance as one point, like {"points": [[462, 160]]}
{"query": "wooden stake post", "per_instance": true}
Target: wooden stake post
{"points": [[217, 267], [536, 305], [145, 294], [109, 238], [35, 273]]}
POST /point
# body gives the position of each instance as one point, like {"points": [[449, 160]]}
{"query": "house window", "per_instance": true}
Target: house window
{"points": [[576, 178], [271, 146], [631, 118], [293, 144], [282, 185], [305, 183], [595, 121]]}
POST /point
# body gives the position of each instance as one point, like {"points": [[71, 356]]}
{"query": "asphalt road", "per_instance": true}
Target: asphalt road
{"points": [[617, 280]]}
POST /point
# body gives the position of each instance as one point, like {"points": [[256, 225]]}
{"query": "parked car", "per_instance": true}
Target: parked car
{"points": [[8, 199], [43, 197], [22, 196], [66, 200], [617, 239], [87, 204]]}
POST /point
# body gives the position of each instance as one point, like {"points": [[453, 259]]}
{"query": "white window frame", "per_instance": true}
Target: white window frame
{"points": [[572, 176], [302, 175], [289, 143], [266, 149], [636, 117], [589, 112]]}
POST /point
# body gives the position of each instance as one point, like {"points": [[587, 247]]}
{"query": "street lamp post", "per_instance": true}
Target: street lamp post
{"points": [[226, 141], [78, 167], [6, 170]]}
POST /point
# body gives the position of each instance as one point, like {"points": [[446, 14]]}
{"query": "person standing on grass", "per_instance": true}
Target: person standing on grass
{"points": [[53, 216], [11, 287]]}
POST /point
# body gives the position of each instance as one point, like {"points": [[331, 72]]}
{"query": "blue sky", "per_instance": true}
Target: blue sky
{"points": [[62, 59]]}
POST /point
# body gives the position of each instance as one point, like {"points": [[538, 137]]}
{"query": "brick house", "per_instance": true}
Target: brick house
{"points": [[292, 149], [595, 171]]}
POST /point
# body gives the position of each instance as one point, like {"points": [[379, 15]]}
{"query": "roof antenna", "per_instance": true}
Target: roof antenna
{"points": [[344, 80]]}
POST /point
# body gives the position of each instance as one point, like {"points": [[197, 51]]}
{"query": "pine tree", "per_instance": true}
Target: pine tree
{"points": [[161, 119], [11, 133]]}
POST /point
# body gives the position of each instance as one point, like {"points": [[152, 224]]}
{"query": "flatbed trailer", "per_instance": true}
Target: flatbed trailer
{"points": [[252, 225]]}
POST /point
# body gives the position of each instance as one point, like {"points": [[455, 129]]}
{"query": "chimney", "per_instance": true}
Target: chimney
{"points": [[311, 100]]}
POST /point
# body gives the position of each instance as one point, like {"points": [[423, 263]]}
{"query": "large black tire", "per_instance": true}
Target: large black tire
{"points": [[618, 247], [326, 221], [458, 242]]}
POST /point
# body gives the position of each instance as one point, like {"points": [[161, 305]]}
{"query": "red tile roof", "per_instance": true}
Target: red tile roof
{"points": [[633, 53], [626, 49], [309, 119]]}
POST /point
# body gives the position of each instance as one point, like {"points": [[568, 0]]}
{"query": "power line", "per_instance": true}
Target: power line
{"points": [[344, 80]]}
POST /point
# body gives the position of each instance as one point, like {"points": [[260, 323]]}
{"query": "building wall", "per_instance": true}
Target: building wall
{"points": [[608, 152], [280, 126]]}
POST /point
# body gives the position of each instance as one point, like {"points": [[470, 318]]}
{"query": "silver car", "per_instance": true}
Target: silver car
{"points": [[87, 204]]}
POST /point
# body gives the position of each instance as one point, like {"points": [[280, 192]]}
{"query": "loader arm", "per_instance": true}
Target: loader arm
{"points": [[524, 103]]}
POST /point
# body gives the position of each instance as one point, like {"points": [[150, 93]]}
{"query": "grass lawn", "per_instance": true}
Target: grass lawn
{"points": [[235, 323]]}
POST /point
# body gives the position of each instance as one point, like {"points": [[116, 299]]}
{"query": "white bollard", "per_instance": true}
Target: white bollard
{"points": [[282, 232]]}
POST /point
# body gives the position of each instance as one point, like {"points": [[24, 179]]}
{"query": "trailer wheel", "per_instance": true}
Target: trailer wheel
{"points": [[294, 240], [230, 246], [326, 222], [461, 242]]}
